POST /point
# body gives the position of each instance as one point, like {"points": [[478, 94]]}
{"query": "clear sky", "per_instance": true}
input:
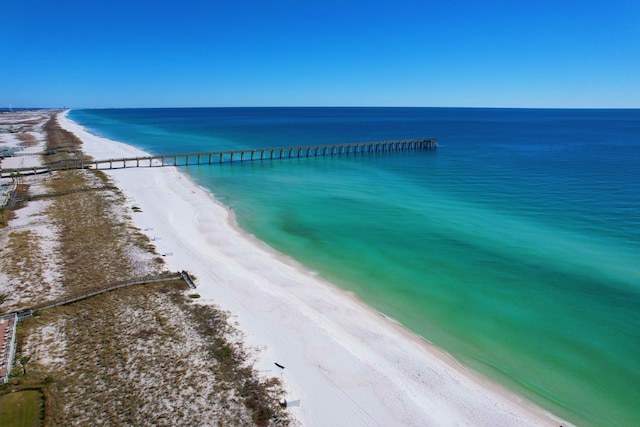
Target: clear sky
{"points": [[144, 53]]}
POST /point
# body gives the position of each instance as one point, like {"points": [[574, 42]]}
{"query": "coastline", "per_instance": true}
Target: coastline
{"points": [[344, 362]]}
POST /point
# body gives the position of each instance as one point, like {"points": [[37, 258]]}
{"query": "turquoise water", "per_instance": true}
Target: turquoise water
{"points": [[515, 246]]}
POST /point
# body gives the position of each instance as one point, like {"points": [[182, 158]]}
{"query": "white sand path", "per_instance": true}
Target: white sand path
{"points": [[344, 364]]}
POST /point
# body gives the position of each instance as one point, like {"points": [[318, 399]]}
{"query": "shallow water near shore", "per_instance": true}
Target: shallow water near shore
{"points": [[514, 246]]}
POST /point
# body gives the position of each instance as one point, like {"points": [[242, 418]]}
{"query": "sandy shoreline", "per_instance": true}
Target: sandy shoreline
{"points": [[344, 364]]}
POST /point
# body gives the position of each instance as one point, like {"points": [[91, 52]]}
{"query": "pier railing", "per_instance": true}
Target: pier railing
{"points": [[222, 157]]}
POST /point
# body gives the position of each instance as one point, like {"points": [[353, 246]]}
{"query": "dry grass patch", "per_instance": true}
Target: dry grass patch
{"points": [[157, 360], [142, 355], [24, 266], [5, 217], [58, 138], [27, 139], [97, 244]]}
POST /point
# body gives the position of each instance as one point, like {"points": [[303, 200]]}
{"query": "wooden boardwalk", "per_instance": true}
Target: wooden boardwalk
{"points": [[225, 157], [181, 275]]}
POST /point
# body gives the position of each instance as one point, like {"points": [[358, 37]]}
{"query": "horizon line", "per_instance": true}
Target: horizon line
{"points": [[9, 109]]}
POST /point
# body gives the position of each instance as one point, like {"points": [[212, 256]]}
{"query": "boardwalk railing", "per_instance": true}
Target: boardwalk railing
{"points": [[141, 281], [25, 312], [63, 193], [222, 157]]}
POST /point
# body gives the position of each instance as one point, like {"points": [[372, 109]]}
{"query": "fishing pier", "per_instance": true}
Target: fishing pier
{"points": [[225, 157]]}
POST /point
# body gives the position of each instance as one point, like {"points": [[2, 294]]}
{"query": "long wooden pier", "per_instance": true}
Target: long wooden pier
{"points": [[223, 157]]}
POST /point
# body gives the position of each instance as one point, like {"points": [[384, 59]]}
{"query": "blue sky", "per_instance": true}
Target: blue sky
{"points": [[142, 53]]}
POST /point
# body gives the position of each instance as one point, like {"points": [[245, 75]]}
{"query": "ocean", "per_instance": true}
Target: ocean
{"points": [[515, 246]]}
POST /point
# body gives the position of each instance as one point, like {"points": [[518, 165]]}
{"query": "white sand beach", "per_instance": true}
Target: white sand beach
{"points": [[343, 363]]}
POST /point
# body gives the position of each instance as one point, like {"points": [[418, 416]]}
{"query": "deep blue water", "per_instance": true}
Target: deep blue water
{"points": [[515, 246]]}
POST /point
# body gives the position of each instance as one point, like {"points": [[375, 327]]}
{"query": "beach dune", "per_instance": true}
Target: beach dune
{"points": [[341, 362]]}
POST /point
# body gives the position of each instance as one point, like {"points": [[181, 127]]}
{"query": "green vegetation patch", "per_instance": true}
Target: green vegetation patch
{"points": [[4, 217], [21, 409]]}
